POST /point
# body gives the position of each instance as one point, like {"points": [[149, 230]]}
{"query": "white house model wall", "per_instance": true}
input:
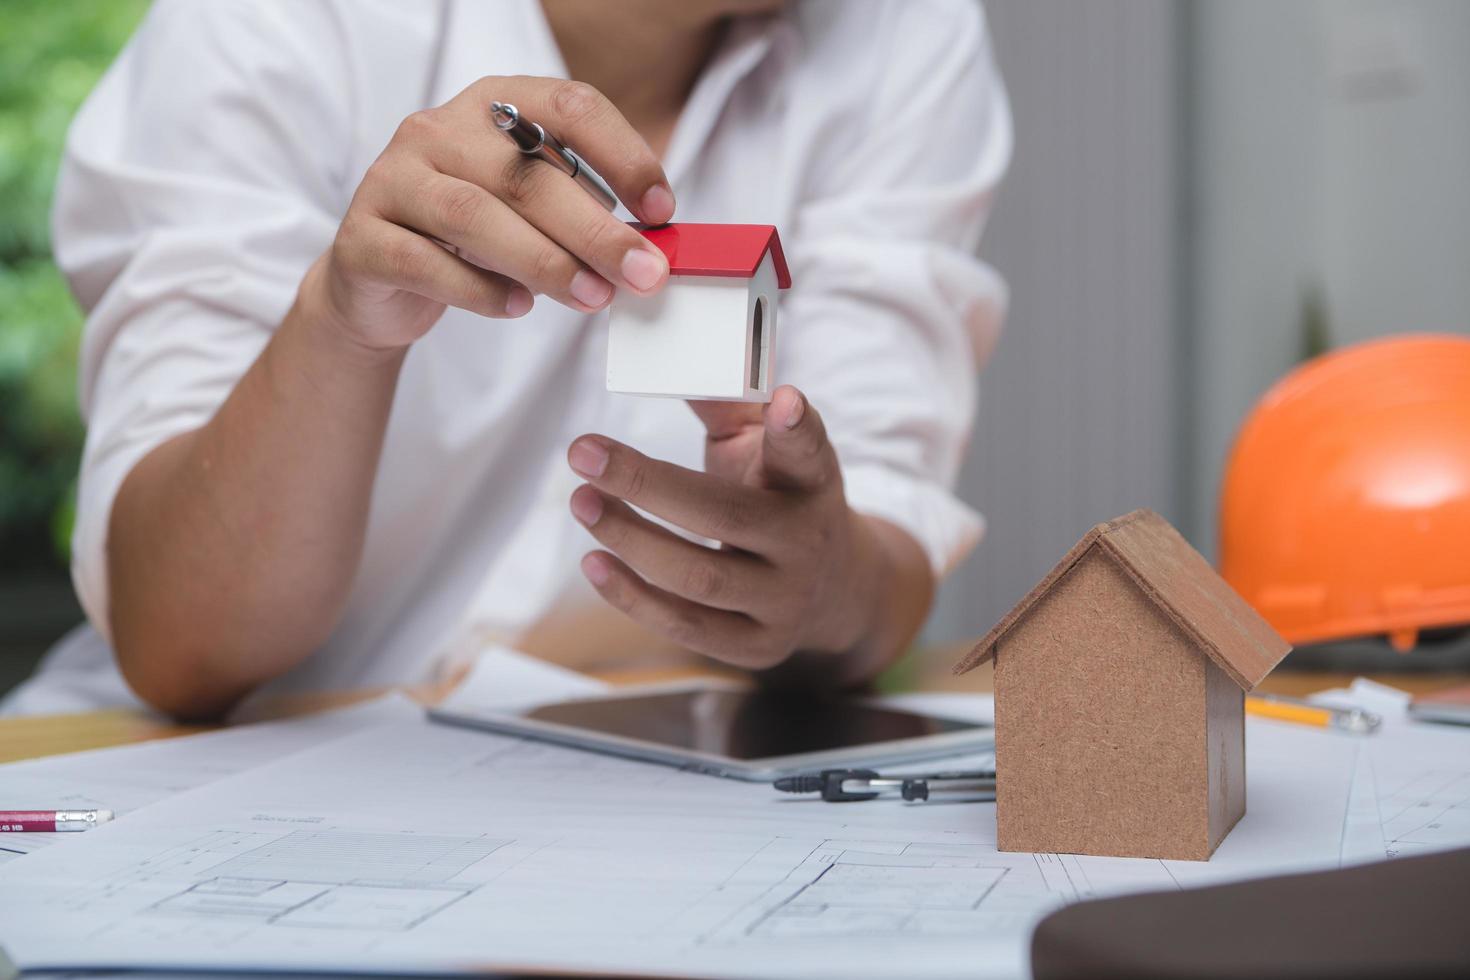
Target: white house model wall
{"points": [[701, 337]]}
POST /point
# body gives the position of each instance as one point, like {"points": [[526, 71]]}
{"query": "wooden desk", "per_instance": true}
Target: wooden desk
{"points": [[29, 738], [43, 735]]}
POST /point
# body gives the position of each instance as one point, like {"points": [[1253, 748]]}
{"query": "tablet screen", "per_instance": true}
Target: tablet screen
{"points": [[745, 725]]}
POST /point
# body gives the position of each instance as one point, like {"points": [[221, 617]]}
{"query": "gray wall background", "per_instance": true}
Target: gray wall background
{"points": [[1079, 408], [1186, 173]]}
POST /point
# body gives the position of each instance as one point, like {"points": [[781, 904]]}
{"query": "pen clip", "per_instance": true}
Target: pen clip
{"points": [[833, 780]]}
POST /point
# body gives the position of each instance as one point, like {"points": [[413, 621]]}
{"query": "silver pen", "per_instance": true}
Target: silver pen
{"points": [[533, 140], [851, 785]]}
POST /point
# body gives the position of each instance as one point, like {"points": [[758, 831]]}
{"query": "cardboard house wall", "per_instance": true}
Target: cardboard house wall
{"points": [[711, 332], [1120, 683]]}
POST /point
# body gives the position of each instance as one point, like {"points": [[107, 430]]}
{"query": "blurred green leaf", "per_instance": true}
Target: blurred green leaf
{"points": [[51, 54], [1315, 326]]}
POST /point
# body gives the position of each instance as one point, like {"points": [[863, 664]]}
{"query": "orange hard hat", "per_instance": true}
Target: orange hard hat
{"points": [[1345, 509]]}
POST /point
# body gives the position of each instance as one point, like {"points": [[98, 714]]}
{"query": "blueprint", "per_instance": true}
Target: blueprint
{"points": [[124, 778], [411, 848], [128, 777], [1420, 775], [1428, 811], [1411, 784]]}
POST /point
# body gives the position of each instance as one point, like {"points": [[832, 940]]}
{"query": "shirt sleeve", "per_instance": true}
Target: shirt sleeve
{"points": [[892, 314], [197, 185]]}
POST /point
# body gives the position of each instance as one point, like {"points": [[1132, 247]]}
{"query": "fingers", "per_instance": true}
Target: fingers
{"points": [[728, 636], [584, 119], [724, 420], [796, 453], [399, 258], [546, 198], [459, 140], [731, 580], [489, 233], [704, 504]]}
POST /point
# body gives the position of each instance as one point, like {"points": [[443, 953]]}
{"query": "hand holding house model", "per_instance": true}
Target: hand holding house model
{"points": [[710, 334]]}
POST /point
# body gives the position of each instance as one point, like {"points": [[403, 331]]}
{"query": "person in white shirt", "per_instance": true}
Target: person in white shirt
{"points": [[324, 448]]}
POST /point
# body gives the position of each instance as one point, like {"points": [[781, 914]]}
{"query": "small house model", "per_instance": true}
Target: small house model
{"points": [[1119, 699], [710, 333]]}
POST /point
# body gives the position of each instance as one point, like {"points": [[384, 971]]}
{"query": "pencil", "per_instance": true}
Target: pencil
{"points": [[1354, 720]]}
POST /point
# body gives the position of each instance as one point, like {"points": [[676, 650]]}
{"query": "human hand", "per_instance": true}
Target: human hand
{"points": [[452, 214], [799, 570]]}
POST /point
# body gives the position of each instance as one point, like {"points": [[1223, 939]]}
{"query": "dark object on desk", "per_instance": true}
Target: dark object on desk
{"points": [[855, 785], [1401, 918], [1439, 651], [729, 731], [1449, 707]]}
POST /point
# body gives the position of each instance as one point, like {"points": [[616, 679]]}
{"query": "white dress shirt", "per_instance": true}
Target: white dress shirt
{"points": [[214, 161]]}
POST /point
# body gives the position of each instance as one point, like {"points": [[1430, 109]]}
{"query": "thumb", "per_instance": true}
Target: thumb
{"points": [[796, 453], [725, 419]]}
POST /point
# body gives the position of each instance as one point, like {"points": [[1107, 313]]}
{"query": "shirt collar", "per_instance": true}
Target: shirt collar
{"points": [[746, 45], [515, 39]]}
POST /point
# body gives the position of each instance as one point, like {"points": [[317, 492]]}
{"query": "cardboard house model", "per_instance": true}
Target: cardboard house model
{"points": [[1119, 699], [711, 332]]}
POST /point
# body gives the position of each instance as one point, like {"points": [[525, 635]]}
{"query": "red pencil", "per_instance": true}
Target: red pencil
{"points": [[30, 821]]}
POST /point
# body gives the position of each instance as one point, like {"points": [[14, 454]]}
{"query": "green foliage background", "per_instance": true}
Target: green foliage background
{"points": [[51, 54]]}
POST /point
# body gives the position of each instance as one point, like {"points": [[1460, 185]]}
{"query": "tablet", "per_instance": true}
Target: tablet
{"points": [[735, 732]]}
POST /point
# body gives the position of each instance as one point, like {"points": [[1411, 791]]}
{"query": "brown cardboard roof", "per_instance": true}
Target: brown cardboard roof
{"points": [[1180, 582]]}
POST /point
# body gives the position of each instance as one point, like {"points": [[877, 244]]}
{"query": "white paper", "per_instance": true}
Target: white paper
{"points": [[415, 848], [1411, 785], [1421, 774], [125, 778], [503, 678], [1389, 703]]}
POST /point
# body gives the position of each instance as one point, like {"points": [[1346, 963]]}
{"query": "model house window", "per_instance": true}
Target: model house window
{"points": [[758, 346]]}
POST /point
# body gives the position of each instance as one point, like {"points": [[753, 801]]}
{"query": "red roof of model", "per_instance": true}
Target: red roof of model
{"points": [[718, 250]]}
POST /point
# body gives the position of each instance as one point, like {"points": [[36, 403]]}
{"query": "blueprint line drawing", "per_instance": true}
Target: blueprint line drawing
{"points": [[1430, 811], [376, 907], [341, 856], [871, 889], [850, 896], [320, 878], [337, 878], [328, 859]]}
